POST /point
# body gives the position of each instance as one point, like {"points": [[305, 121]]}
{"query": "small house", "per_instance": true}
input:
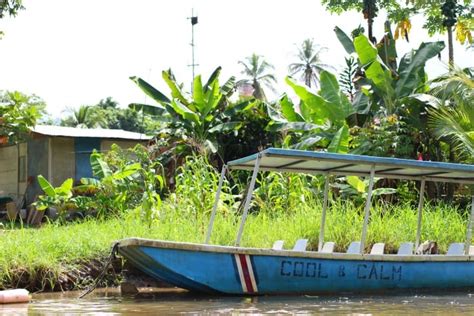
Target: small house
{"points": [[57, 153]]}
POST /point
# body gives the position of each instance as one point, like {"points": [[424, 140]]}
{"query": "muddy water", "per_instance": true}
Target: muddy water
{"points": [[169, 302]]}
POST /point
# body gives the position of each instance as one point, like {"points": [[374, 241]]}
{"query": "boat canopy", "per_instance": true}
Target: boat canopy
{"points": [[302, 161]]}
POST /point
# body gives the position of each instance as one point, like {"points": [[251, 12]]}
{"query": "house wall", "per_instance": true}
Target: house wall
{"points": [[37, 162], [9, 170], [22, 168], [56, 158], [62, 159]]}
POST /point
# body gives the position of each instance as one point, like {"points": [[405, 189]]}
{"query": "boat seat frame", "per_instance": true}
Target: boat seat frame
{"points": [[393, 168]]}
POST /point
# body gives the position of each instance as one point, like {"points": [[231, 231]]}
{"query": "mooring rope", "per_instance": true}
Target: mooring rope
{"points": [[99, 278]]}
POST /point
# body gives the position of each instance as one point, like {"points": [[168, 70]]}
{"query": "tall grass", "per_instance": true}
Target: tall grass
{"points": [[285, 207]]}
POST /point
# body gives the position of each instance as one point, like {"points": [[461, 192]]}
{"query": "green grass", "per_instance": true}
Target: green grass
{"points": [[52, 250]]}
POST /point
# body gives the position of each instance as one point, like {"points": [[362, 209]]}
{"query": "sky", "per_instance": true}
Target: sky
{"points": [[73, 53]]}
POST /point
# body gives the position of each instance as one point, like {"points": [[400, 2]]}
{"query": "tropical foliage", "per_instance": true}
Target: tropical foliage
{"points": [[440, 16], [10, 8], [321, 120], [124, 180], [108, 114], [380, 104], [348, 76], [451, 117], [192, 123], [390, 103], [83, 117], [18, 113]]}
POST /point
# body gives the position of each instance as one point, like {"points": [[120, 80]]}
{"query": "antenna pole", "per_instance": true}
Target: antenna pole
{"points": [[194, 21]]}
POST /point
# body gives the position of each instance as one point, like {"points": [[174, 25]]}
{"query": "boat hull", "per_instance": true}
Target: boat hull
{"points": [[232, 270]]}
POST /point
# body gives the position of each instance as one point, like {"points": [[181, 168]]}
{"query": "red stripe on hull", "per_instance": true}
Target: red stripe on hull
{"points": [[245, 271]]}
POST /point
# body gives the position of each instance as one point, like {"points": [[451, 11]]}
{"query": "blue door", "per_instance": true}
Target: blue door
{"points": [[83, 147]]}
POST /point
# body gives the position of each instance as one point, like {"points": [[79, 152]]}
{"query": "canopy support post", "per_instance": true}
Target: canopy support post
{"points": [[469, 229], [368, 203], [247, 199], [216, 202], [420, 212], [323, 215]]}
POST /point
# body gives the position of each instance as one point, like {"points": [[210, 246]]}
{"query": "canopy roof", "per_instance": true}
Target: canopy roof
{"points": [[301, 161]]}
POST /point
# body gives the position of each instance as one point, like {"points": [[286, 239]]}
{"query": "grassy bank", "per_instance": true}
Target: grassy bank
{"points": [[284, 207], [43, 257]]}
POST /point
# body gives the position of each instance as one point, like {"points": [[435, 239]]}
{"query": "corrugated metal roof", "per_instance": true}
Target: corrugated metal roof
{"points": [[302, 161], [51, 130]]}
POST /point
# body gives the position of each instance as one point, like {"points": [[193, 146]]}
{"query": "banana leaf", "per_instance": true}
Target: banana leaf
{"points": [[340, 141], [155, 110], [288, 110], [345, 40], [409, 71], [99, 167], [198, 94], [232, 110], [150, 91], [174, 87], [215, 74], [46, 186]]}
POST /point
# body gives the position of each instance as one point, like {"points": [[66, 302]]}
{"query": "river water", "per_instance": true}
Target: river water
{"points": [[175, 301]]}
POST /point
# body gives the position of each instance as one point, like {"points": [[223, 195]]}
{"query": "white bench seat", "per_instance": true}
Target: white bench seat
{"points": [[354, 247], [328, 247], [301, 245], [278, 245], [405, 249]]}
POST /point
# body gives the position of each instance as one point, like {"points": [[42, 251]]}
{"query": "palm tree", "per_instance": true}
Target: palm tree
{"points": [[257, 70], [453, 119], [309, 64], [85, 116]]}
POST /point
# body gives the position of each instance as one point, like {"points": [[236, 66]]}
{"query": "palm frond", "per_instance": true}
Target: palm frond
{"points": [[456, 126], [295, 68], [455, 83]]}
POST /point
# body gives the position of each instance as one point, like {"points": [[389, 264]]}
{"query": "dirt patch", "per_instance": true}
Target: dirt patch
{"points": [[78, 276]]}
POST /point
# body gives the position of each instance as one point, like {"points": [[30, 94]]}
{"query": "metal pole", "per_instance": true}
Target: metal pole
{"points": [[247, 200], [194, 21], [192, 45], [420, 209], [469, 229], [323, 215], [367, 210], [214, 209]]}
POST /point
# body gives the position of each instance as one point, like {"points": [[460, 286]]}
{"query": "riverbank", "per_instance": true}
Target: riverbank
{"points": [[67, 257]]}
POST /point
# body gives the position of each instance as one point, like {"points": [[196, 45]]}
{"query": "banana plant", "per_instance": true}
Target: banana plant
{"points": [[60, 197], [388, 88], [320, 121], [193, 121], [116, 188], [357, 188]]}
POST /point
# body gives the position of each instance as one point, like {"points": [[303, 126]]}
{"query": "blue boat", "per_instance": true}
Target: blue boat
{"points": [[254, 271]]}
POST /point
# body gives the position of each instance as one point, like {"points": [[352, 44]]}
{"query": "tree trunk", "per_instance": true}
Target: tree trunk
{"points": [[370, 22], [450, 47], [307, 77]]}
